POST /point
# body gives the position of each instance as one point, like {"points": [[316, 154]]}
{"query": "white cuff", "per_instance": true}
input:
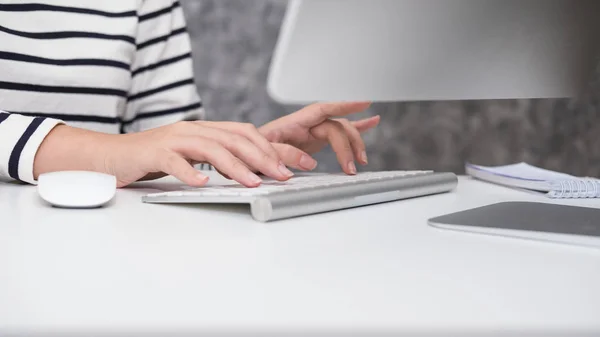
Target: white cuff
{"points": [[31, 148], [20, 139]]}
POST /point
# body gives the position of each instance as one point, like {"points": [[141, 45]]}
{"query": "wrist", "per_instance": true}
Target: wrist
{"points": [[69, 148]]}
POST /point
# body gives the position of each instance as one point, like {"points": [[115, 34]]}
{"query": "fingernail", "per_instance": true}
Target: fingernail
{"points": [[284, 170], [201, 177], [307, 162], [363, 157], [352, 167], [254, 179]]}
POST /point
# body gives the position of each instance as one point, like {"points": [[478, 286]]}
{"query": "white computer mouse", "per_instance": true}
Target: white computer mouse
{"points": [[77, 189]]}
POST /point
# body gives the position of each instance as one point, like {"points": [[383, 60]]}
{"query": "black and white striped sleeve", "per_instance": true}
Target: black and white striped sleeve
{"points": [[163, 89], [20, 138]]}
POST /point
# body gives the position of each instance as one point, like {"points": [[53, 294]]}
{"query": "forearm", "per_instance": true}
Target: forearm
{"points": [[69, 148]]}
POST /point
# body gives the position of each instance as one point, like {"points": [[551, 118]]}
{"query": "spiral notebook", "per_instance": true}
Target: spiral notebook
{"points": [[522, 175]]}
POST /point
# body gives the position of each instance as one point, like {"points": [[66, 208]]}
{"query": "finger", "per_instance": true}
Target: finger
{"points": [[294, 157], [249, 153], [317, 113], [223, 174], [335, 134], [249, 131], [366, 124], [356, 141], [205, 149], [175, 165]]}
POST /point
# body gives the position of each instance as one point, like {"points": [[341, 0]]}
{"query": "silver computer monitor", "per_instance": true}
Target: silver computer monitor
{"points": [[406, 50]]}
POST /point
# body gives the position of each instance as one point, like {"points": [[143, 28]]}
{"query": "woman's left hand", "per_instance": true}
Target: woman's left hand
{"points": [[307, 131]]}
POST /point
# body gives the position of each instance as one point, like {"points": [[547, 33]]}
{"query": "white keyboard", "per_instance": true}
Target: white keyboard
{"points": [[293, 184], [315, 193]]}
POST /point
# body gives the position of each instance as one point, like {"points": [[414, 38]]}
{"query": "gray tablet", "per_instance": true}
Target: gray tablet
{"points": [[529, 220]]}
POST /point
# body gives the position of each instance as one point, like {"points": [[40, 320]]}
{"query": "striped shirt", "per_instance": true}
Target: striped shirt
{"points": [[114, 66]]}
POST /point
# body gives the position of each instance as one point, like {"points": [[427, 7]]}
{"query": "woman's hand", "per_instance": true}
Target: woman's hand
{"points": [[313, 127], [235, 149]]}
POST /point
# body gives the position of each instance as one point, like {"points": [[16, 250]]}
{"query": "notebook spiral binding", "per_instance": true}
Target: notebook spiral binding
{"points": [[575, 189]]}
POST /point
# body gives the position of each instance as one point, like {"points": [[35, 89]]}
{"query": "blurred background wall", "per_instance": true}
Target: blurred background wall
{"points": [[233, 41]]}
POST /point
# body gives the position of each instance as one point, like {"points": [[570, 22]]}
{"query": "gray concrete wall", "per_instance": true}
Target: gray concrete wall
{"points": [[233, 41]]}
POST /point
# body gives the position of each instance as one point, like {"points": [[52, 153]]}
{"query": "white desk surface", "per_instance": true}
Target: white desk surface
{"points": [[135, 268]]}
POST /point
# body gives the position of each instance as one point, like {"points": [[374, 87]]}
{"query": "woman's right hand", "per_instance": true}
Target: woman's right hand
{"points": [[235, 149]]}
